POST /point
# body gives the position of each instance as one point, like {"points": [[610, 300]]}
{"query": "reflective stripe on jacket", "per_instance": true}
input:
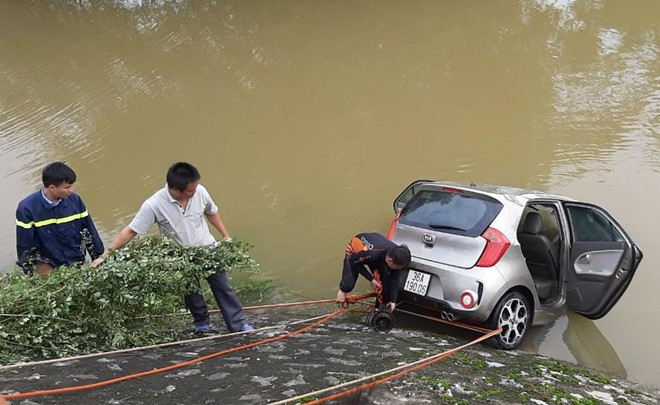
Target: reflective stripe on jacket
{"points": [[54, 234]]}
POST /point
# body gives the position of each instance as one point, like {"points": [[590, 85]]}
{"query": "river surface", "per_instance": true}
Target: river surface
{"points": [[307, 118]]}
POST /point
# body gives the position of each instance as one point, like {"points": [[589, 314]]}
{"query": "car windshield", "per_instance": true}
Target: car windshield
{"points": [[456, 211]]}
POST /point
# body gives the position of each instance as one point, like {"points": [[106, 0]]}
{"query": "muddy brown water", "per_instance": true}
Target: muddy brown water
{"points": [[306, 119]]}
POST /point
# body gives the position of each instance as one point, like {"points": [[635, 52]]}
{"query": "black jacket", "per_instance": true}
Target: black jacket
{"points": [[376, 246]]}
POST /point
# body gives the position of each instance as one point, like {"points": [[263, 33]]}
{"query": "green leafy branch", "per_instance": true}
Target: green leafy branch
{"points": [[82, 310]]}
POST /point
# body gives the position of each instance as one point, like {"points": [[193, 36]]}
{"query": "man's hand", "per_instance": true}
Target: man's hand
{"points": [[376, 285], [391, 306], [107, 252], [98, 261], [341, 297], [119, 241]]}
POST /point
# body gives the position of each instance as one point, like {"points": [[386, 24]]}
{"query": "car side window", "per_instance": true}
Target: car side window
{"points": [[590, 225]]}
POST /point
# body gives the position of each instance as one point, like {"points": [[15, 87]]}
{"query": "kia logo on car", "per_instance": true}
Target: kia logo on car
{"points": [[428, 238]]}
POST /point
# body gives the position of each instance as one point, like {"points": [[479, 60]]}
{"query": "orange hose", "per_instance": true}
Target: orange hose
{"points": [[432, 318], [378, 292], [447, 322], [174, 366], [403, 372], [349, 298]]}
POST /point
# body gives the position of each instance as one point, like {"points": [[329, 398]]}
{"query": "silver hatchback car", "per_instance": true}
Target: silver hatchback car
{"points": [[509, 257]]}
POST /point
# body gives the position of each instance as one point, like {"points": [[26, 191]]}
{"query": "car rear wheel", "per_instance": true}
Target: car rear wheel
{"points": [[514, 314]]}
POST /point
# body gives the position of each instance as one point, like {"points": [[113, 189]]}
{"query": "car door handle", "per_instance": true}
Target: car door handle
{"points": [[584, 259]]}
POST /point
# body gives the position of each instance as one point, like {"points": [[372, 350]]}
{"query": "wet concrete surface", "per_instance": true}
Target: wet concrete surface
{"points": [[341, 350]]}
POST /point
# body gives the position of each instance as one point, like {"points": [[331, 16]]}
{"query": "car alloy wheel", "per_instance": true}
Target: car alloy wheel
{"points": [[513, 314]]}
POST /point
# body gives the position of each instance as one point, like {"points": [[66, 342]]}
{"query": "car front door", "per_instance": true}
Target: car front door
{"points": [[603, 260]]}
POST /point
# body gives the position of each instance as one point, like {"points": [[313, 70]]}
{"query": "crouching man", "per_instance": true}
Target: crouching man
{"points": [[379, 260]]}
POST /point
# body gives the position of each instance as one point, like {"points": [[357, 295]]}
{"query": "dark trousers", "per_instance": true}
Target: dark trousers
{"points": [[349, 276], [226, 299]]}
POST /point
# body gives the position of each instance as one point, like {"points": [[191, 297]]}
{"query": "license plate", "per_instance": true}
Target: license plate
{"points": [[417, 282]]}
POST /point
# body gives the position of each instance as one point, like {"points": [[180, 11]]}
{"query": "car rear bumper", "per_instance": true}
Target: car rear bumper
{"points": [[448, 283]]}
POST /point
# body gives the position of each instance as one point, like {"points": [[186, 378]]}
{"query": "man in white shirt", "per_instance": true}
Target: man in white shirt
{"points": [[179, 210]]}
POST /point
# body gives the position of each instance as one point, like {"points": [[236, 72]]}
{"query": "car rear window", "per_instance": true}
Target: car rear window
{"points": [[457, 212]]}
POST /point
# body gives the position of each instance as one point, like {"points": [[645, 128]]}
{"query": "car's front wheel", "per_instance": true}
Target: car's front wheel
{"points": [[514, 314]]}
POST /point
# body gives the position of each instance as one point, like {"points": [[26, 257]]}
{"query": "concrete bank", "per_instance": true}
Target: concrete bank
{"points": [[342, 350]]}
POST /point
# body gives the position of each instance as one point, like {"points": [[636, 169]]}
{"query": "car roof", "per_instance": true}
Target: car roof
{"points": [[513, 194]]}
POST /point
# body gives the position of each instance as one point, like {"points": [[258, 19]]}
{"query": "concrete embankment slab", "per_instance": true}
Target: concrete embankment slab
{"points": [[341, 350]]}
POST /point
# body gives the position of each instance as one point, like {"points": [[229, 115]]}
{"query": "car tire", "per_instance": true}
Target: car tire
{"points": [[515, 315]]}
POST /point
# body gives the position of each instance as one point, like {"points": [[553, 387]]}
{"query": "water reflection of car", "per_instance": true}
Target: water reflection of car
{"points": [[509, 257]]}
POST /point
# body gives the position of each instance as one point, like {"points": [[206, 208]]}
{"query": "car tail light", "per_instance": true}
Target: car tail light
{"points": [[467, 299], [452, 190], [496, 245], [390, 232]]}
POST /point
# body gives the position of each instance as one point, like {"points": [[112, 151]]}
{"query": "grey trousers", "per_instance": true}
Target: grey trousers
{"points": [[226, 299]]}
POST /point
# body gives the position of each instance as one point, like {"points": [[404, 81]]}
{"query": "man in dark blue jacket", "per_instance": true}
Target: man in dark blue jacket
{"points": [[53, 227]]}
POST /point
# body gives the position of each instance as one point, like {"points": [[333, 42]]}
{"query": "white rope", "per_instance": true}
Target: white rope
{"points": [[370, 377], [85, 356]]}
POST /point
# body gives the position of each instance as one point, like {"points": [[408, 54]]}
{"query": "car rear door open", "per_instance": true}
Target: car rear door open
{"points": [[602, 260]]}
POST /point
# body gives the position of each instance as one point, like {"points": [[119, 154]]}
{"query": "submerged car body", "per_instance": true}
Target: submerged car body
{"points": [[510, 257]]}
